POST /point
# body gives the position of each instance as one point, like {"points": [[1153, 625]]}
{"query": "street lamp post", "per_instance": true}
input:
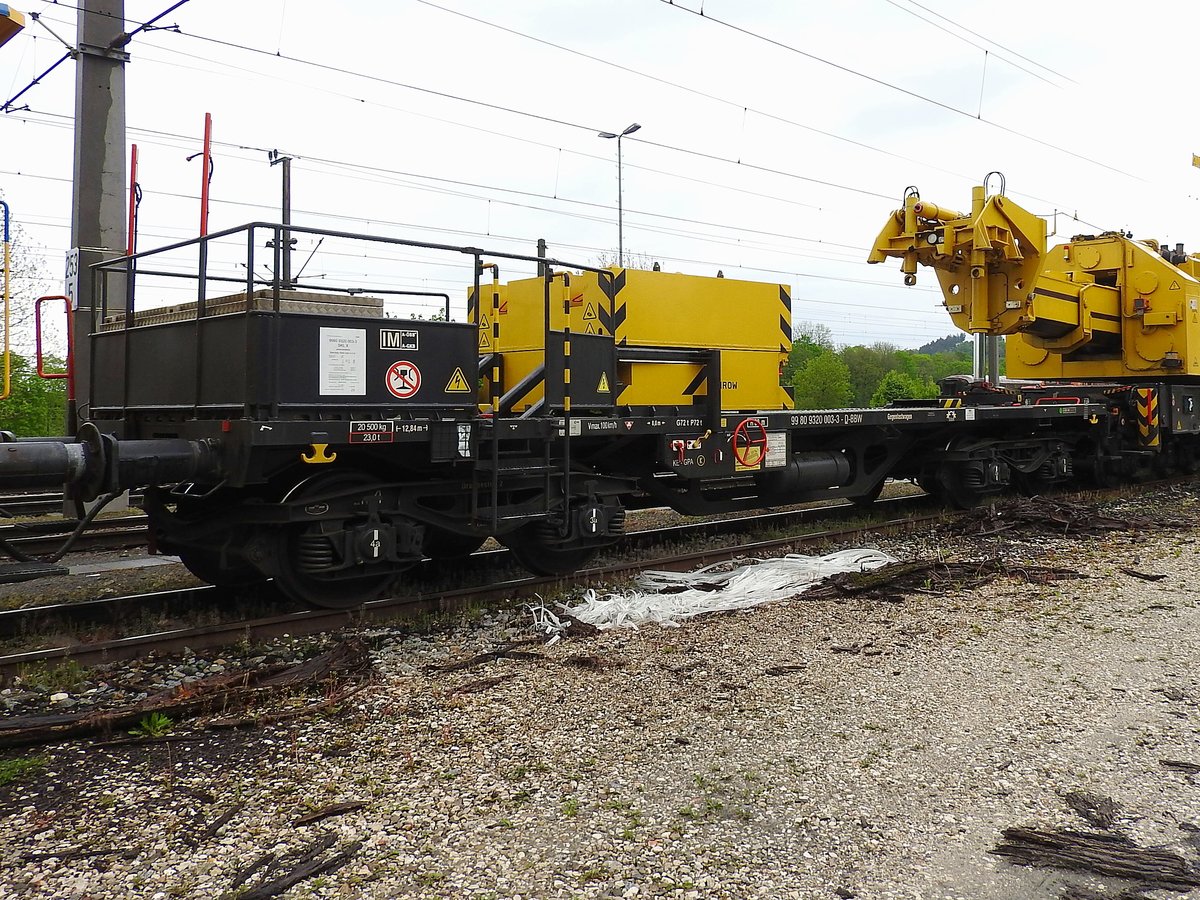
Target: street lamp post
{"points": [[620, 195]]}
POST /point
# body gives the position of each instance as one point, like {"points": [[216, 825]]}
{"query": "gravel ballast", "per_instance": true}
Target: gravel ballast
{"points": [[806, 749]]}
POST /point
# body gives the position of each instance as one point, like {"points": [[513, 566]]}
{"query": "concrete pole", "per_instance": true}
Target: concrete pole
{"points": [[98, 214]]}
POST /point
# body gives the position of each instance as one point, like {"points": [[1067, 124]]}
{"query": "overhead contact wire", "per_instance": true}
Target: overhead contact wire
{"points": [[902, 90]]}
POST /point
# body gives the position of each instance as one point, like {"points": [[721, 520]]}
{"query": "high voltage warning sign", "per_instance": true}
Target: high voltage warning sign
{"points": [[602, 387], [458, 383]]}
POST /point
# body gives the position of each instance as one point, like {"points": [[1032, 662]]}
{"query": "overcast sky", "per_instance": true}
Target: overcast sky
{"points": [[776, 134]]}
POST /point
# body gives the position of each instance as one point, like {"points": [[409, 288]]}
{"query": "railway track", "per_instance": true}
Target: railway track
{"points": [[42, 504], [40, 537], [281, 617], [46, 503]]}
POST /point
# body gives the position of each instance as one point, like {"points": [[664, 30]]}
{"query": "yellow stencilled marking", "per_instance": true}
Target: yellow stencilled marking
{"points": [[458, 383], [753, 460]]}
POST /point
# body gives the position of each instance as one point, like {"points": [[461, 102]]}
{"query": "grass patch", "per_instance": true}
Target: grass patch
{"points": [[67, 675], [15, 769]]}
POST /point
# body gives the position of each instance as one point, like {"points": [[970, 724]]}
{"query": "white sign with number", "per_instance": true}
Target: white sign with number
{"points": [[71, 279]]}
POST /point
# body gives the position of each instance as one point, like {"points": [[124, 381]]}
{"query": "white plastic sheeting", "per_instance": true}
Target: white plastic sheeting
{"points": [[667, 598]]}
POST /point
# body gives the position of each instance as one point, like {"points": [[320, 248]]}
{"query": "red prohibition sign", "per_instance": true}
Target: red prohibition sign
{"points": [[403, 379], [742, 441]]}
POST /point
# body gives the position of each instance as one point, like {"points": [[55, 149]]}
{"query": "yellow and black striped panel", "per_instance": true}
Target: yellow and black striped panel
{"points": [[612, 288], [1147, 416], [785, 319]]}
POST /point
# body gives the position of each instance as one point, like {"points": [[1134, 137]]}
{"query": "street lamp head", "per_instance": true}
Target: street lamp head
{"points": [[630, 130]]}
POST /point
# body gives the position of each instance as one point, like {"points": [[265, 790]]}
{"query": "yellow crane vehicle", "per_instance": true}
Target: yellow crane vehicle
{"points": [[1104, 318]]}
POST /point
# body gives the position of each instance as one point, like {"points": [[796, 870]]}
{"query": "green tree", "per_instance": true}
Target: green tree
{"points": [[35, 406], [823, 383], [896, 385], [809, 339], [28, 278], [867, 367], [952, 343]]}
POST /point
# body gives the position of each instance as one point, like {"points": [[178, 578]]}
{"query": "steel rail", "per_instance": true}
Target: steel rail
{"points": [[112, 610], [316, 621]]}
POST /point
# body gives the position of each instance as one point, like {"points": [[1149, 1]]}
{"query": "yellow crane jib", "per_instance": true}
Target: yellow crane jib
{"points": [[986, 260]]}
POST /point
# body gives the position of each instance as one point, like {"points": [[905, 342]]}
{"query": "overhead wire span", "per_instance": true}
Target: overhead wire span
{"points": [[736, 104], [391, 174], [948, 107], [983, 37], [121, 41], [660, 145], [948, 31], [494, 106]]}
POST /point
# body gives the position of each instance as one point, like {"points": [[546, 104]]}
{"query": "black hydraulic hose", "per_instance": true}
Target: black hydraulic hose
{"points": [[18, 555], [83, 524], [97, 507]]}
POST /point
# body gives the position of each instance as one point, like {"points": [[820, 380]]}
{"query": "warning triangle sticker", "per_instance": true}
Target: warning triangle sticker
{"points": [[591, 329], [484, 323], [602, 387], [458, 383], [485, 340], [1174, 286], [589, 312]]}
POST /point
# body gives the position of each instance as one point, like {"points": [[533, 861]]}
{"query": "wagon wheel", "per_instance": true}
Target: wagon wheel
{"points": [[440, 543], [535, 548], [217, 567], [1101, 471], [868, 497], [950, 487], [295, 546], [1033, 484]]}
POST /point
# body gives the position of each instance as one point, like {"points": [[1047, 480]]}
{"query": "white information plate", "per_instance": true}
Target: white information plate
{"points": [[343, 362]]}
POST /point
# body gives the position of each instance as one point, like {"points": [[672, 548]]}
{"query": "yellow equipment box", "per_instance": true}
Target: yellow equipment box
{"points": [[750, 323]]}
